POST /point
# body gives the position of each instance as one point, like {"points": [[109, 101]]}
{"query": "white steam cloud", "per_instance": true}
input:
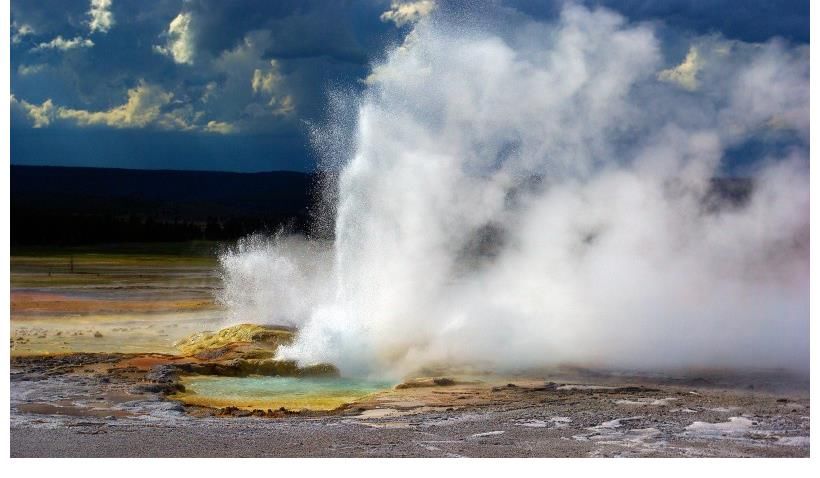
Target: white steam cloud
{"points": [[275, 280], [536, 195]]}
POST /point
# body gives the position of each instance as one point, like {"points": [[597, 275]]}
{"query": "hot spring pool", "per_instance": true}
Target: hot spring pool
{"points": [[276, 392]]}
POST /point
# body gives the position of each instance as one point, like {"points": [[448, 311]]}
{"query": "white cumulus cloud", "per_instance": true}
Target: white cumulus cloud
{"points": [[101, 18], [40, 115], [266, 80], [685, 75], [180, 40], [220, 127], [144, 106], [60, 43], [147, 106], [20, 31], [402, 13], [26, 70]]}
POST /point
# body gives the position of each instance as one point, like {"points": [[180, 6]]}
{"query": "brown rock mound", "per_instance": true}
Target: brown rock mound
{"points": [[243, 350], [245, 340], [426, 382]]}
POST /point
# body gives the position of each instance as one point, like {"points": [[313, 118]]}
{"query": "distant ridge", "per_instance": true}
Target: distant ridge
{"points": [[82, 205]]}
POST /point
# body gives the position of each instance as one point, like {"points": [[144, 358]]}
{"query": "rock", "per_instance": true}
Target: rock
{"points": [[426, 382], [97, 334], [170, 373], [628, 389], [166, 373], [175, 407], [319, 370], [273, 368], [265, 338], [161, 388], [236, 350]]}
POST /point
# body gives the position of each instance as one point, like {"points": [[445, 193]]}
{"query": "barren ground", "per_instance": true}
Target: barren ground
{"points": [[85, 343]]}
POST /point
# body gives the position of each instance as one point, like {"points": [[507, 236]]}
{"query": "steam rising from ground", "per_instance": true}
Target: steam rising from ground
{"points": [[541, 193]]}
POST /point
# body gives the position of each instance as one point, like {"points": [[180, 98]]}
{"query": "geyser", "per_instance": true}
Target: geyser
{"points": [[523, 193]]}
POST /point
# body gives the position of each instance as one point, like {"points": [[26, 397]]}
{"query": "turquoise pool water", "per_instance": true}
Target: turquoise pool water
{"points": [[275, 392]]}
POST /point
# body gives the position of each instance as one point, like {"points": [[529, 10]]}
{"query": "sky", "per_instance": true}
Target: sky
{"points": [[238, 85]]}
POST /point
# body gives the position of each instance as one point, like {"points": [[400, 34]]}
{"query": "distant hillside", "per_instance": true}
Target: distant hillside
{"points": [[65, 205]]}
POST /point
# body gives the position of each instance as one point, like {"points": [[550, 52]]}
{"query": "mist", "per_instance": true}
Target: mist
{"points": [[515, 194]]}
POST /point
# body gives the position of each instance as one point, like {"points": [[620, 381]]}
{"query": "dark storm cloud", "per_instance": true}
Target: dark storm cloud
{"points": [[746, 20], [206, 72], [339, 35], [342, 31]]}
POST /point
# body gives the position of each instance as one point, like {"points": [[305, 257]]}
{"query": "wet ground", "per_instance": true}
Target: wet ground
{"points": [[85, 343], [101, 405]]}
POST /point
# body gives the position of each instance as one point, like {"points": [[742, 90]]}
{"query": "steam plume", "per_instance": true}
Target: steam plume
{"points": [[538, 193]]}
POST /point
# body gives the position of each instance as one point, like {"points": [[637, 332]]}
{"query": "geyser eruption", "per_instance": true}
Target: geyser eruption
{"points": [[275, 280], [543, 193]]}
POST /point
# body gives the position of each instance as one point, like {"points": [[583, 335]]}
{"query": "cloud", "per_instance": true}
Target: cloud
{"points": [[40, 116], [685, 74], [210, 54], [59, 43], [147, 105], [208, 92], [283, 106], [180, 40], [251, 89], [20, 31], [318, 46], [143, 107], [220, 127], [266, 80], [402, 13], [182, 118], [101, 17], [26, 70], [269, 82], [747, 20]]}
